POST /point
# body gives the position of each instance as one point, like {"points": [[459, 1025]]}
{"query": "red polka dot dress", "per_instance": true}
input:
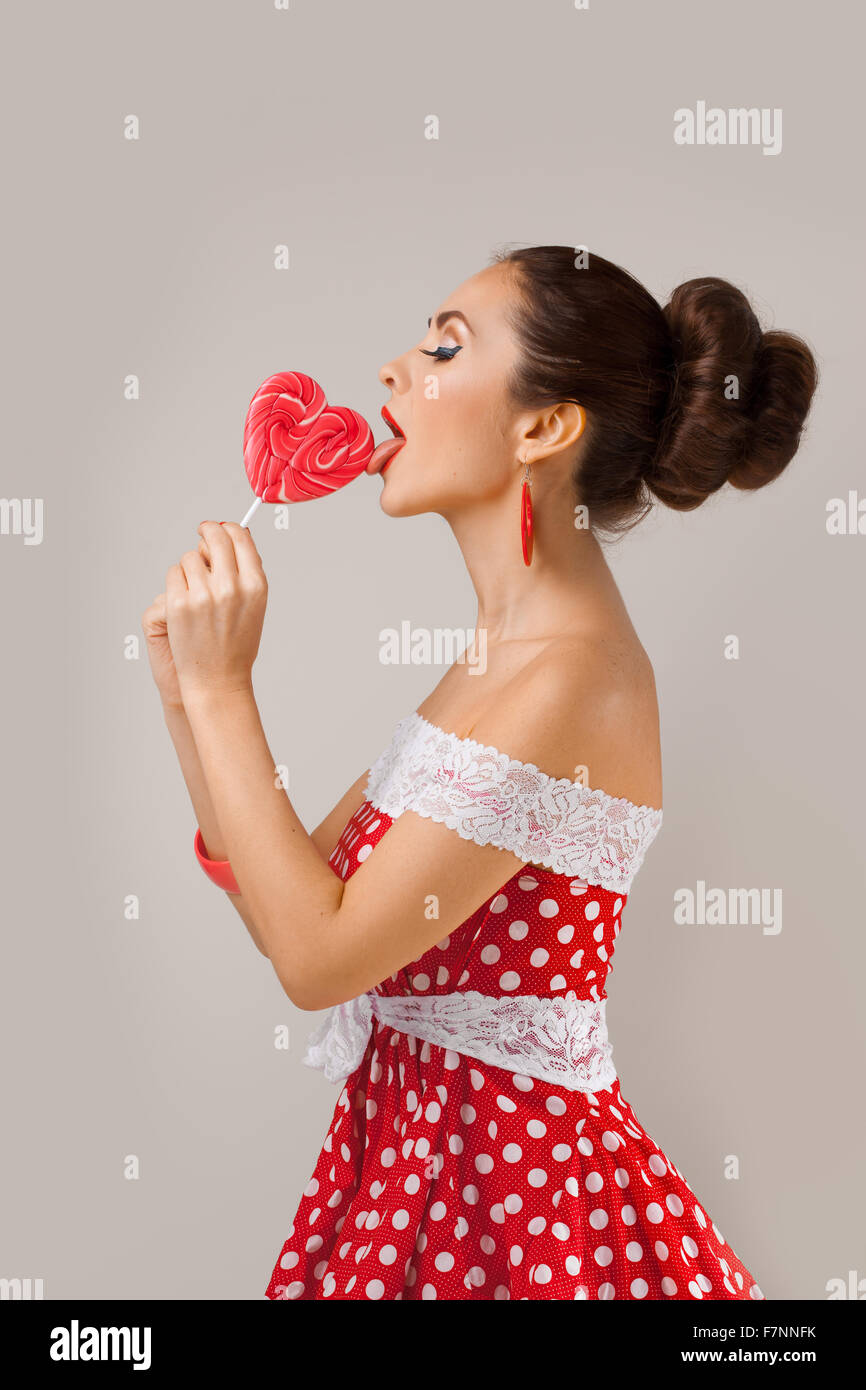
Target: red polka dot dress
{"points": [[446, 1175]]}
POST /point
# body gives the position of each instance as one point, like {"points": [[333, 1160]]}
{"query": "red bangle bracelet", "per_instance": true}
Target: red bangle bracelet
{"points": [[219, 871]]}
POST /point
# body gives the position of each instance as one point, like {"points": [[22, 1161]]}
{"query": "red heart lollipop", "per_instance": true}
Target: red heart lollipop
{"points": [[296, 446]]}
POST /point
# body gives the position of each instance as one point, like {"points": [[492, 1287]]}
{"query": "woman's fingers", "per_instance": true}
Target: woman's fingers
{"points": [[195, 572], [222, 552], [247, 557]]}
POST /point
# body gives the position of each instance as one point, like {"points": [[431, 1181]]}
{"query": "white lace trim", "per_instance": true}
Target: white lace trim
{"points": [[562, 1040], [490, 798]]}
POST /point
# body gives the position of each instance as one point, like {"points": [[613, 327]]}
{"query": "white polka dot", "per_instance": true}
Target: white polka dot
{"points": [[558, 982], [512, 1153], [598, 1219], [527, 883], [591, 911], [548, 907], [655, 1213], [565, 933], [541, 1274], [400, 1219], [662, 1250], [560, 1230], [657, 1165], [387, 1157], [639, 1288], [513, 1202], [594, 1182], [561, 1152], [428, 1291], [539, 957], [536, 1129], [499, 903], [444, 1261], [364, 851], [572, 1264], [374, 1288], [388, 1254], [673, 1204], [518, 930], [634, 1251], [510, 980], [490, 954], [628, 1215], [668, 1285], [536, 1177], [603, 1255], [484, 1163]]}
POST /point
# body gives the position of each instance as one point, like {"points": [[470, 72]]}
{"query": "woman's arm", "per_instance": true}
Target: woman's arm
{"points": [[324, 837], [193, 774]]}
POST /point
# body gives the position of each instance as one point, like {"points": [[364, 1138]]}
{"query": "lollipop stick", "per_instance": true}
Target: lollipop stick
{"points": [[257, 503]]}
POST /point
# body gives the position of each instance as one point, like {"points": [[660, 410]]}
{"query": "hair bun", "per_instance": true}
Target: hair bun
{"points": [[738, 401]]}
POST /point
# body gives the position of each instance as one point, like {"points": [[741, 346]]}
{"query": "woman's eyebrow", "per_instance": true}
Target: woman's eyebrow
{"points": [[451, 314]]}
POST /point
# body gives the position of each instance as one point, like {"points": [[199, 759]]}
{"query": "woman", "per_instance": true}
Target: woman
{"points": [[460, 904]]}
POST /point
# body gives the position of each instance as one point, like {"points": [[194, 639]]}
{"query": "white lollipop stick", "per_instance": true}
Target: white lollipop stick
{"points": [[257, 503]]}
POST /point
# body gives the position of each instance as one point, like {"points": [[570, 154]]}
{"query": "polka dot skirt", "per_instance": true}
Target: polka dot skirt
{"points": [[444, 1177]]}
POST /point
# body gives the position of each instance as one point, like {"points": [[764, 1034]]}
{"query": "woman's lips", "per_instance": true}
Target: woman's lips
{"points": [[383, 453]]}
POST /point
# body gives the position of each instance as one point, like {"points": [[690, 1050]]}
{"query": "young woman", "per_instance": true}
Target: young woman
{"points": [[459, 907]]}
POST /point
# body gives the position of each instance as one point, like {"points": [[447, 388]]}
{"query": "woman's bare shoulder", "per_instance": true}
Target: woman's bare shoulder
{"points": [[586, 708]]}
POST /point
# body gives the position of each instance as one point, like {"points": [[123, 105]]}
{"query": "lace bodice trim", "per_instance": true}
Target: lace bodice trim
{"points": [[490, 798], [561, 1039]]}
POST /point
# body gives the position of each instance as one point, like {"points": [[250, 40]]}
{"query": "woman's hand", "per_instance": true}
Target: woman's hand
{"points": [[159, 655], [215, 609]]}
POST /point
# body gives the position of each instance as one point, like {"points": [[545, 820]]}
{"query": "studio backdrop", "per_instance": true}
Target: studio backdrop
{"points": [[203, 194]]}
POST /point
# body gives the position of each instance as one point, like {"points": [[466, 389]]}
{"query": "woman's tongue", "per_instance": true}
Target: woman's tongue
{"points": [[383, 453]]}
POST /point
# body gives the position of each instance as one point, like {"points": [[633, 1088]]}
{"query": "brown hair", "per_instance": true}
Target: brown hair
{"points": [[663, 418]]}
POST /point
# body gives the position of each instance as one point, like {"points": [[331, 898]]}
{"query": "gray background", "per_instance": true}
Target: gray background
{"points": [[155, 1037]]}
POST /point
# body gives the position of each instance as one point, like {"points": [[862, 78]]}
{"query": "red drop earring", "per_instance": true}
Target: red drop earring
{"points": [[526, 515]]}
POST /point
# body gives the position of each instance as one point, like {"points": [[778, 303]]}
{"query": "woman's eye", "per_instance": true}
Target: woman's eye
{"points": [[442, 354]]}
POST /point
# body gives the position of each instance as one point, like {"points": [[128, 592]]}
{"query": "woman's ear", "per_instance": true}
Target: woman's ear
{"points": [[553, 429]]}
